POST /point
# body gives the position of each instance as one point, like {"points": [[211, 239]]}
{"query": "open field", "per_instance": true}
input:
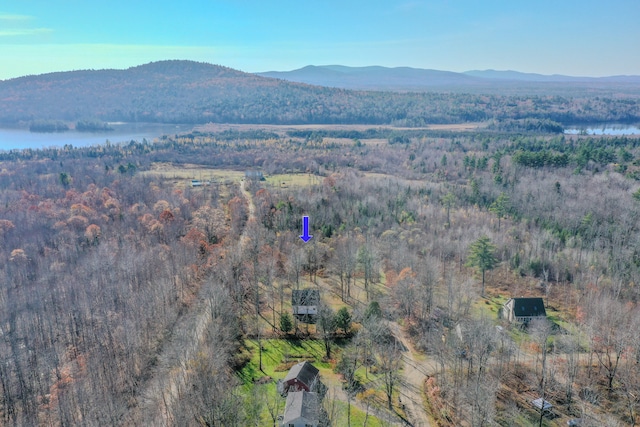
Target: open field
{"points": [[183, 174], [188, 172], [282, 129], [293, 179]]}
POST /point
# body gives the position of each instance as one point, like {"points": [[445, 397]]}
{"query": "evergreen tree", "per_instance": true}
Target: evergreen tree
{"points": [[373, 311], [449, 200], [500, 207], [343, 319], [482, 256], [286, 323]]}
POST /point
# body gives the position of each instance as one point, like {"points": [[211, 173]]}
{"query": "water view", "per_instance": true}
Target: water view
{"points": [[122, 132], [604, 130]]}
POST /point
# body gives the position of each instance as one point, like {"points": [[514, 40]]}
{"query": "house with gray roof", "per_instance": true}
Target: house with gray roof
{"points": [[301, 410], [523, 310]]}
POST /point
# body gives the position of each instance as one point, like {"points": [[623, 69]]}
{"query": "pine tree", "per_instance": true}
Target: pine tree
{"points": [[343, 319], [449, 201], [482, 256], [286, 323], [500, 207]]}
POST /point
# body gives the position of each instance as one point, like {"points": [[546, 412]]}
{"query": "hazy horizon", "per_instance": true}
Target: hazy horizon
{"points": [[586, 38], [319, 66]]}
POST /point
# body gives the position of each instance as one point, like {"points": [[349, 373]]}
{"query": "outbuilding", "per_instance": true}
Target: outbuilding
{"points": [[302, 376], [253, 175], [542, 404], [305, 304]]}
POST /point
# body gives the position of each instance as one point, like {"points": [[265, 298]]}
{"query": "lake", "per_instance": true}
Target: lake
{"points": [[122, 132], [609, 129]]}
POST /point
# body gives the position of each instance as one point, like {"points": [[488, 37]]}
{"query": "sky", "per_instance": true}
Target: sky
{"points": [[579, 38]]}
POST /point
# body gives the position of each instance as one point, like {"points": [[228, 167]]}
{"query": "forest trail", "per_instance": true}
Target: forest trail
{"points": [[414, 374], [252, 207], [169, 379]]}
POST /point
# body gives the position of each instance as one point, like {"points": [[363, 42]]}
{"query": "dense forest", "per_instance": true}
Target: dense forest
{"points": [[190, 92], [132, 298]]}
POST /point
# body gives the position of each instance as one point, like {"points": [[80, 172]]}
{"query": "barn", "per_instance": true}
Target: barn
{"points": [[301, 376]]}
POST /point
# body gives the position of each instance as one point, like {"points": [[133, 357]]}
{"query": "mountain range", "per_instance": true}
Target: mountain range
{"points": [[193, 92], [417, 79]]}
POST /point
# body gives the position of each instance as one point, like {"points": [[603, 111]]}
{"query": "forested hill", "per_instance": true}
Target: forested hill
{"points": [[191, 92]]}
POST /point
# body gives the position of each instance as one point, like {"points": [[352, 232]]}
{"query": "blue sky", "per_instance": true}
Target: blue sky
{"points": [[586, 37]]}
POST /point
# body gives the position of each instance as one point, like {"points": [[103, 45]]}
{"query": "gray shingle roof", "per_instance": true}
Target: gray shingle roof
{"points": [[305, 372], [301, 404]]}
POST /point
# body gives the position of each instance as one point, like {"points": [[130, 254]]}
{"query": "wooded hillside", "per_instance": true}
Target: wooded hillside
{"points": [[129, 297], [190, 92]]}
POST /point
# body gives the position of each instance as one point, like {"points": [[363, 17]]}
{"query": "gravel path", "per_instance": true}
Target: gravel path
{"points": [[414, 374]]}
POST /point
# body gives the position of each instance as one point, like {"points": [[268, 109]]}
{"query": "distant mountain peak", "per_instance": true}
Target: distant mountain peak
{"points": [[529, 77], [176, 66], [377, 77], [374, 77]]}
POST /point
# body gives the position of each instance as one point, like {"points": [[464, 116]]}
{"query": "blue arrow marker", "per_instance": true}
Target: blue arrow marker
{"points": [[305, 229]]}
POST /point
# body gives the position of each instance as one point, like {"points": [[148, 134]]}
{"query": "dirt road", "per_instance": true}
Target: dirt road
{"points": [[169, 381], [414, 374]]}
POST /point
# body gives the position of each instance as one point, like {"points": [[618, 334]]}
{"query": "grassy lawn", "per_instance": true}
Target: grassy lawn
{"points": [[293, 180], [278, 355], [554, 317], [357, 416], [488, 307]]}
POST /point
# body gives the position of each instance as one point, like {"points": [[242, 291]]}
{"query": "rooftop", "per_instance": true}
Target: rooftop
{"points": [[305, 297], [301, 404], [528, 307], [305, 372]]}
